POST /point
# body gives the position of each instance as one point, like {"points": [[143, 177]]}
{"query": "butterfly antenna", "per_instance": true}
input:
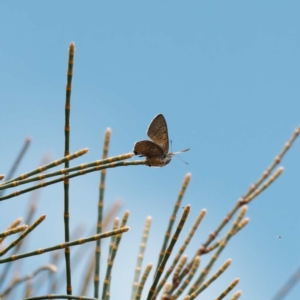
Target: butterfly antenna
{"points": [[181, 159], [175, 153]]}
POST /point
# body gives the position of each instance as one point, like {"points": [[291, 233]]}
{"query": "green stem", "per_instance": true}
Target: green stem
{"points": [[185, 183], [40, 169], [15, 183], [100, 214], [112, 258], [13, 231], [66, 153], [65, 245], [24, 234], [52, 296], [168, 252], [94, 169]]}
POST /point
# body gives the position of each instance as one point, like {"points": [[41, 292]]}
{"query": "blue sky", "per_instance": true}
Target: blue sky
{"points": [[225, 75]]}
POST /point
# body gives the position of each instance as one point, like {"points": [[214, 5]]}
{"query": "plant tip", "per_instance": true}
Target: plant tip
{"points": [[52, 268], [244, 208]]}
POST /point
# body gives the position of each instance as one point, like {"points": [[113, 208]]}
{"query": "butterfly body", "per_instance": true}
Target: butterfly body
{"points": [[156, 151], [158, 162]]}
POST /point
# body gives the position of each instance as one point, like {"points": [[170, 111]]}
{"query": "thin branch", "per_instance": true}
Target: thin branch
{"points": [[13, 183], [193, 292], [112, 258], [68, 176], [67, 129], [212, 279], [9, 183], [52, 296], [13, 225], [65, 245], [286, 288], [24, 234], [142, 283], [229, 289], [168, 252], [13, 231], [141, 257], [177, 279], [187, 281], [100, 214], [18, 160], [236, 295], [16, 282], [203, 249], [185, 183], [91, 264], [217, 244]]}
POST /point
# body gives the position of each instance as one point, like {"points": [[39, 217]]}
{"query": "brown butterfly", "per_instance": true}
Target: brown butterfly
{"points": [[156, 151]]}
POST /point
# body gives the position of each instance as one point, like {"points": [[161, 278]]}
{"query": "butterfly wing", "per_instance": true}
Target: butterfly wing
{"points": [[148, 149], [158, 132]]}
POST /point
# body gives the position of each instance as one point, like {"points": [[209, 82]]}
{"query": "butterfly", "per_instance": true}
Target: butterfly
{"points": [[156, 151]]}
